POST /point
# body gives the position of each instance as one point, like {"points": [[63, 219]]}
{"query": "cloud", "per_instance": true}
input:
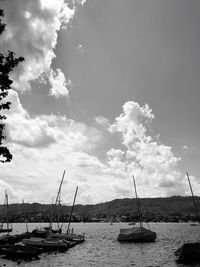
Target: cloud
{"points": [[21, 129], [100, 157], [32, 32], [131, 122], [115, 154], [47, 130], [58, 84], [82, 2], [153, 163], [102, 121]]}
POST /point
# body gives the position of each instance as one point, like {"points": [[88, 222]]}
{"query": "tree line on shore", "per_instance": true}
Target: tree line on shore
{"points": [[172, 209]]}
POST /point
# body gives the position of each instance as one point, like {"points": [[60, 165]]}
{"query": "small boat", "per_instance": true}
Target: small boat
{"points": [[194, 224], [4, 230], [131, 223], [189, 252], [12, 239], [43, 232], [5, 246], [69, 237], [20, 251], [137, 234], [47, 244], [8, 228]]}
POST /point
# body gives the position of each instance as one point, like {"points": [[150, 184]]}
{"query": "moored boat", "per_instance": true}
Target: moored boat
{"points": [[131, 223], [47, 244], [69, 237], [20, 251], [190, 251], [137, 234], [12, 239]]}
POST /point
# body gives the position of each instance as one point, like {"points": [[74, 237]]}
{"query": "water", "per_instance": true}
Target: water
{"points": [[102, 249]]}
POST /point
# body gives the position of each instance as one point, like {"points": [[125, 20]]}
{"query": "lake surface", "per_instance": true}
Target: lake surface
{"points": [[101, 247]]}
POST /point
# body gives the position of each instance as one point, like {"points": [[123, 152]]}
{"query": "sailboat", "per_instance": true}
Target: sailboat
{"points": [[70, 235], [137, 234], [189, 251], [6, 215], [45, 231]]}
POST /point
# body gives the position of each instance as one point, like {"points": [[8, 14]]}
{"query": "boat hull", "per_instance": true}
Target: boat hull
{"points": [[6, 230], [138, 239], [20, 251], [136, 234], [188, 252], [47, 245], [69, 237]]}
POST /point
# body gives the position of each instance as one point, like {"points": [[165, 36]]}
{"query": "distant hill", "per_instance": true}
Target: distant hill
{"points": [[175, 205], [171, 206]]}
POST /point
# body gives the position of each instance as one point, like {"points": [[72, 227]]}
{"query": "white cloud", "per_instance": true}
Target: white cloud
{"points": [[45, 145], [21, 129], [32, 33], [131, 122], [82, 2], [116, 154], [153, 163], [53, 142], [58, 83], [102, 121]]}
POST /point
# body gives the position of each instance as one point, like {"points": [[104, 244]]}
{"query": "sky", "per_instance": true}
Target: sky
{"points": [[108, 90]]}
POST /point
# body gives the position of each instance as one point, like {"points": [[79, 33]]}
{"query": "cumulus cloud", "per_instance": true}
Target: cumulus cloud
{"points": [[45, 130], [22, 129], [131, 122], [58, 84], [144, 155], [31, 32], [54, 142]]}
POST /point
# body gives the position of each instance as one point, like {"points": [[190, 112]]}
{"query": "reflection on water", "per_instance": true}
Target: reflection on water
{"points": [[101, 247]]}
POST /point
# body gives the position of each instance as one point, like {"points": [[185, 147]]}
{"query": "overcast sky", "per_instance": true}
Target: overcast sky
{"points": [[108, 89]]}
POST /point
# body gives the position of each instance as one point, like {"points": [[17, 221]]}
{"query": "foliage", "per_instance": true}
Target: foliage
{"points": [[7, 64], [172, 209]]}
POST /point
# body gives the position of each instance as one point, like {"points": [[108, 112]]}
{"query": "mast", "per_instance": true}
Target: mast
{"points": [[7, 219], [59, 210], [25, 217], [72, 210], [57, 198], [138, 203], [193, 198]]}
